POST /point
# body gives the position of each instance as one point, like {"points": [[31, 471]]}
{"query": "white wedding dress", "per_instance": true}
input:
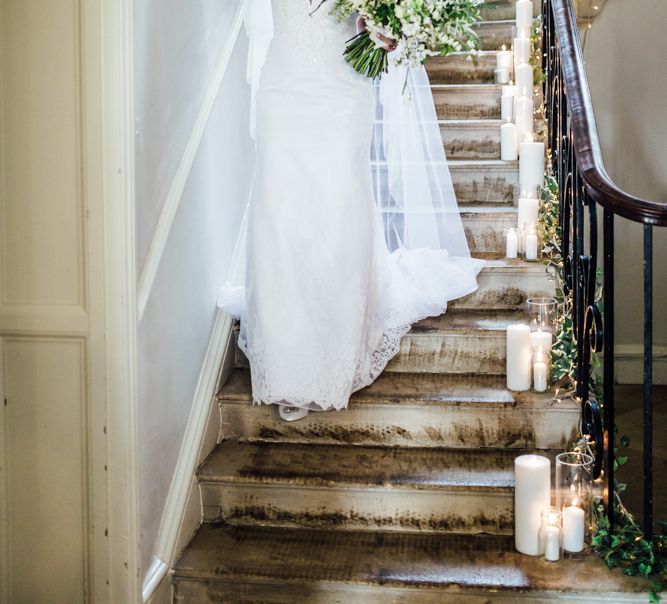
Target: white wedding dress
{"points": [[334, 278]]}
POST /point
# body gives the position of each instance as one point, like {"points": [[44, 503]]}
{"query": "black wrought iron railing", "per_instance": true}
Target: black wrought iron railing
{"points": [[584, 189]]}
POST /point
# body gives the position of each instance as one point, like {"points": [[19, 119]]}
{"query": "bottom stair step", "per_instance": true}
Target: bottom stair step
{"points": [[273, 565]]}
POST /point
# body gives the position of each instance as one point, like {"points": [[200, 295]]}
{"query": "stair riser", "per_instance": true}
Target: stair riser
{"points": [[457, 425], [502, 10], [479, 352], [462, 69], [504, 290], [467, 103], [485, 232], [187, 591], [485, 184], [441, 511], [471, 142], [493, 35]]}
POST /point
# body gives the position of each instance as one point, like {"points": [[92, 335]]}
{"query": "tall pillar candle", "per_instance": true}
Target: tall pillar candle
{"points": [[524, 80], [509, 142], [531, 166], [524, 118], [519, 370], [522, 50], [524, 18], [532, 492]]}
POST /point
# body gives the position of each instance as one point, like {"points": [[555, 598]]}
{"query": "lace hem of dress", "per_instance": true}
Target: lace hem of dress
{"points": [[388, 348]]}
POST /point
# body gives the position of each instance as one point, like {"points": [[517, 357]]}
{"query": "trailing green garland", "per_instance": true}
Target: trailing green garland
{"points": [[625, 546]]}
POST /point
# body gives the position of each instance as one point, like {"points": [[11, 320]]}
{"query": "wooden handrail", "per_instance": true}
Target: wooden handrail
{"points": [[599, 185]]}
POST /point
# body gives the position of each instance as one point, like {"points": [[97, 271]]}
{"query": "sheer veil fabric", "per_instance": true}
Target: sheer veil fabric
{"points": [[353, 230]]}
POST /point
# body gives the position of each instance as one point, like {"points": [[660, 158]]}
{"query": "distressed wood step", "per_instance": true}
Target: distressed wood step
{"points": [[505, 284], [500, 10], [412, 410], [469, 343], [463, 68], [484, 227], [282, 566], [357, 487], [467, 101], [495, 34], [471, 139], [484, 181]]}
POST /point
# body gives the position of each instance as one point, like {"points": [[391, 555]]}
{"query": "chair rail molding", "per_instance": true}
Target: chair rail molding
{"points": [[172, 202]]}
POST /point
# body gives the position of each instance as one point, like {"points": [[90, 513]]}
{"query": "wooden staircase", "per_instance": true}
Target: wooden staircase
{"points": [[408, 495]]}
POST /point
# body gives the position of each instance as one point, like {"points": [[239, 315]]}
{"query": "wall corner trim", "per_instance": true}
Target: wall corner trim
{"points": [[179, 182]]}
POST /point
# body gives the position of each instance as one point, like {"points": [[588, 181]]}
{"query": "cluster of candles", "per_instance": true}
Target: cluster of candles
{"points": [[517, 133], [529, 347], [540, 528]]}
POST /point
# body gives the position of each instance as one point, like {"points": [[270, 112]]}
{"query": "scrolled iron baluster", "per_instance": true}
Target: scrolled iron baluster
{"points": [[591, 427]]}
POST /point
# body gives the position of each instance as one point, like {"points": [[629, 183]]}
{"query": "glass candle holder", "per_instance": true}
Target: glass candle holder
{"points": [[550, 541], [574, 497], [543, 316]]}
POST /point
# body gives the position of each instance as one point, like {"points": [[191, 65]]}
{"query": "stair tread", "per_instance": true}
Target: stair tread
{"points": [[288, 556], [422, 388], [468, 322], [322, 465]]}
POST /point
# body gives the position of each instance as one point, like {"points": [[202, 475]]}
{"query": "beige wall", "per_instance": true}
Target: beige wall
{"points": [[626, 55]]}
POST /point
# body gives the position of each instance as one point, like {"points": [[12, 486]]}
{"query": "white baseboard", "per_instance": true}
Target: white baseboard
{"points": [[630, 364]]}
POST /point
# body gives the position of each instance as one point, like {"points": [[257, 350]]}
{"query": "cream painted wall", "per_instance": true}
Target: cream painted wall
{"points": [[177, 51], [52, 423], [626, 55]]}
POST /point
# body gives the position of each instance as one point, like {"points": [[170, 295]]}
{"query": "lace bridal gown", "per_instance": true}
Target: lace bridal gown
{"points": [[353, 232]]}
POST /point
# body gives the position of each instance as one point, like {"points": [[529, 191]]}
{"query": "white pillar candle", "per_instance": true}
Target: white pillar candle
{"points": [[524, 17], [512, 244], [574, 520], [504, 59], [540, 376], [531, 246], [552, 544], [531, 166], [528, 212], [509, 142], [541, 341], [518, 359], [532, 492], [507, 108], [502, 75], [524, 117], [524, 80], [522, 50]]}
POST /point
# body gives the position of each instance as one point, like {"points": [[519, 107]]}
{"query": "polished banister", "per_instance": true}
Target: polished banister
{"points": [[587, 143]]}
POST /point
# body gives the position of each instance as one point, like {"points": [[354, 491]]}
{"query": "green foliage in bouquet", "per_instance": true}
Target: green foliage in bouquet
{"points": [[421, 29], [625, 546]]}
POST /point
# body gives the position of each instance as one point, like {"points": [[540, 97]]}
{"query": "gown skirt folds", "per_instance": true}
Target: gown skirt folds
{"points": [[325, 302]]}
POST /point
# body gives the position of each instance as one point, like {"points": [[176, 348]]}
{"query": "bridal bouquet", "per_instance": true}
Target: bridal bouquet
{"points": [[421, 29]]}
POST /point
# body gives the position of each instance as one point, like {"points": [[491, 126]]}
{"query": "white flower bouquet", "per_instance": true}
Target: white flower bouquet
{"points": [[420, 28]]}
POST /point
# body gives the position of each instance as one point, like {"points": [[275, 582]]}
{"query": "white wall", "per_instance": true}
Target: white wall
{"points": [[626, 55], [177, 50]]}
